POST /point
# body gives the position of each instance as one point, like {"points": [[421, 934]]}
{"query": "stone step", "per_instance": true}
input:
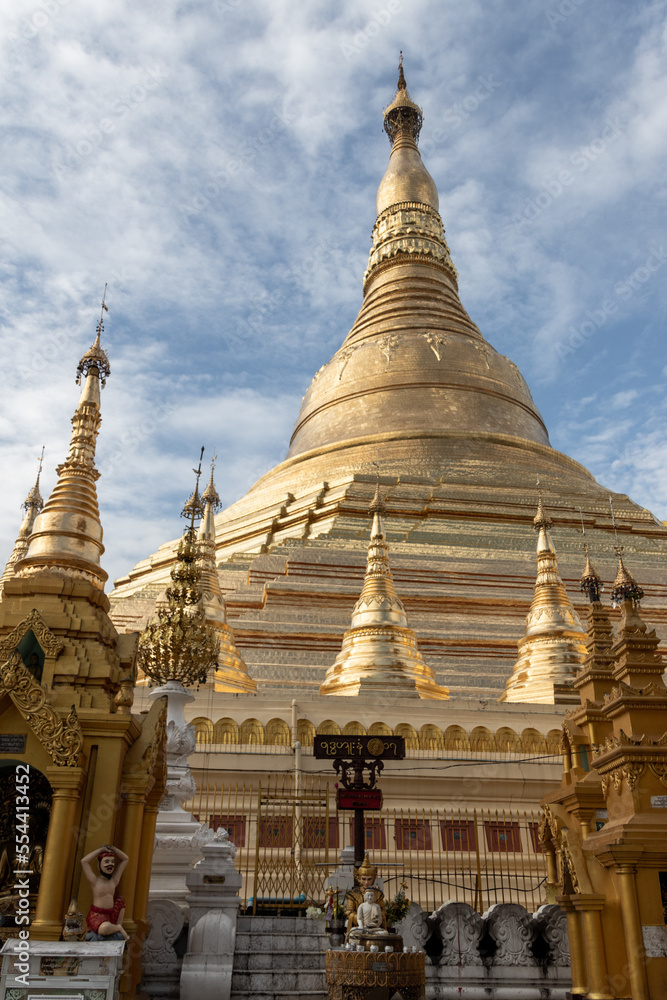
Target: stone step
{"points": [[281, 942], [282, 983], [253, 960]]}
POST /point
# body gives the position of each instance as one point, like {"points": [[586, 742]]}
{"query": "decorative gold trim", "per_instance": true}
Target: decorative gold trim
{"points": [[50, 643], [63, 740]]}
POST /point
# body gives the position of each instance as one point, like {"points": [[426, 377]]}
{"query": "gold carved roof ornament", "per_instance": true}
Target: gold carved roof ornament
{"points": [[591, 581], [230, 674], [32, 505], [625, 587], [50, 643], [178, 644], [379, 653], [66, 536], [61, 738], [402, 115], [553, 645]]}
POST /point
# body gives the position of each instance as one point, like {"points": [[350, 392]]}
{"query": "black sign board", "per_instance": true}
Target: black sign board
{"points": [[359, 747], [12, 743]]}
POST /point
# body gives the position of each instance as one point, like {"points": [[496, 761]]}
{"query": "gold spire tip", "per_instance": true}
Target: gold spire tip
{"points": [[96, 359], [194, 508], [402, 116], [210, 494], [541, 520]]}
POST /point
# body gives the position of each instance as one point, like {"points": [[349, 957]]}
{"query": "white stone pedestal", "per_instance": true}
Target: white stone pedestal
{"points": [[59, 969], [214, 885]]}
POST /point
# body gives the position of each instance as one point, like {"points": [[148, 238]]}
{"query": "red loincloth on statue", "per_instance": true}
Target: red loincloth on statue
{"points": [[97, 916]]}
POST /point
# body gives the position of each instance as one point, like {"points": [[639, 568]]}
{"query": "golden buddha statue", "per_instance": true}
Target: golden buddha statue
{"points": [[365, 876]]}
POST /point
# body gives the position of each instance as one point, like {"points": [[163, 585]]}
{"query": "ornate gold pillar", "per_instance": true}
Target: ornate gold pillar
{"points": [[135, 789], [627, 891], [577, 951], [145, 860], [590, 906], [53, 898]]}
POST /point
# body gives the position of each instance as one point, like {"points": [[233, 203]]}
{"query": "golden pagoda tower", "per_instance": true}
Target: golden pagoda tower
{"points": [[98, 766], [379, 654], [552, 647], [231, 673], [32, 505], [461, 438], [605, 829]]}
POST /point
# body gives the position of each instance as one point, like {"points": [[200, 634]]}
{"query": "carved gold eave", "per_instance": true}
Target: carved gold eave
{"points": [[50, 643], [627, 758], [146, 755], [62, 739]]}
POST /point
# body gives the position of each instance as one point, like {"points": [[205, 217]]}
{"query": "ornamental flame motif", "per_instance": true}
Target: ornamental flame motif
{"points": [[177, 644]]}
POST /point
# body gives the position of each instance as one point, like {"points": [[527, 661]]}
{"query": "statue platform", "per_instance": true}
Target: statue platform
{"points": [[376, 975]]}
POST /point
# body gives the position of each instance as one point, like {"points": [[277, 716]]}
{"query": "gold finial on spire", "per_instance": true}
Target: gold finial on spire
{"points": [[402, 116], [210, 494], [625, 586], [591, 581], [34, 498], [32, 505], [541, 521], [377, 506], [96, 359], [401, 76], [194, 508]]}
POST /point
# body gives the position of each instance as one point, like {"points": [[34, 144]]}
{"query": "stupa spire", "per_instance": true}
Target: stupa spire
{"points": [[231, 673], [32, 506], [379, 653], [553, 645], [67, 535], [413, 364]]}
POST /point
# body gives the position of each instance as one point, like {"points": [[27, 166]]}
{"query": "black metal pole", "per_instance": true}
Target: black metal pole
{"points": [[359, 837]]}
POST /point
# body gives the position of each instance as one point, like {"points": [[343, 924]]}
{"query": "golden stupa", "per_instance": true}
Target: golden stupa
{"points": [[460, 441]]}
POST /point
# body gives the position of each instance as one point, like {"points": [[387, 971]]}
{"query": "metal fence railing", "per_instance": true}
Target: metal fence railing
{"points": [[288, 834]]}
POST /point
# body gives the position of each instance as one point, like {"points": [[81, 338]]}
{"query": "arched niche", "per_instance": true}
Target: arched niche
{"points": [[409, 734], [553, 739], [354, 729], [328, 728], [379, 729], [456, 738], [226, 731], [305, 732], [203, 729], [251, 732], [431, 738], [277, 733], [481, 739], [533, 741], [507, 740]]}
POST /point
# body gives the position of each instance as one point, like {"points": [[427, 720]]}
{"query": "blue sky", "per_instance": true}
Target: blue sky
{"points": [[217, 164]]}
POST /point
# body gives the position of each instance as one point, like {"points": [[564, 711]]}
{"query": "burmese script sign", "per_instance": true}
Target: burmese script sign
{"points": [[359, 747]]}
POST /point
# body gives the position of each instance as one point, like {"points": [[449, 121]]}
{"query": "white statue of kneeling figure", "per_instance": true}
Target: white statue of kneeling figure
{"points": [[369, 918]]}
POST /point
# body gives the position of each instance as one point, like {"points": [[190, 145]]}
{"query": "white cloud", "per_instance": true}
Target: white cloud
{"points": [[217, 164]]}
